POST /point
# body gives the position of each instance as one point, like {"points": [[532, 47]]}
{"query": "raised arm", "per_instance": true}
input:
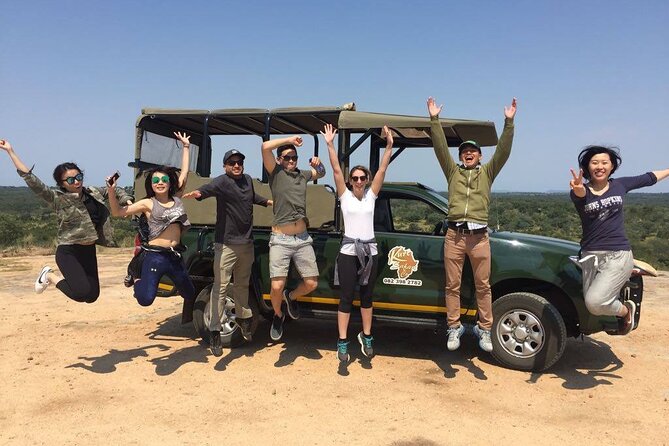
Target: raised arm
{"points": [[7, 147], [503, 150], [185, 161], [329, 133], [380, 174], [125, 211], [661, 174], [439, 139], [35, 184], [268, 159]]}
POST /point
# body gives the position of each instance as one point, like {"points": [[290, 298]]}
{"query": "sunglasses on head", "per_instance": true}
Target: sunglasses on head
{"points": [[289, 157], [78, 177], [235, 162], [165, 179], [356, 178]]}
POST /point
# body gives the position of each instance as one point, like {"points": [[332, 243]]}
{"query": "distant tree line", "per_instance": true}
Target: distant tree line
{"points": [[26, 221]]}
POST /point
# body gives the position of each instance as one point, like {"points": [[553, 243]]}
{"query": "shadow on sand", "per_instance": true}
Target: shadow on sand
{"points": [[585, 364]]}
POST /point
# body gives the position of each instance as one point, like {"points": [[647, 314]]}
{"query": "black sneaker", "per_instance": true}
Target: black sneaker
{"points": [[366, 344], [245, 328], [276, 330], [128, 281], [291, 305], [626, 323], [215, 343]]}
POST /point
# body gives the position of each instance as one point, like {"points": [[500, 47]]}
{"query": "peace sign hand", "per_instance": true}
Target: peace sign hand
{"points": [[576, 183]]}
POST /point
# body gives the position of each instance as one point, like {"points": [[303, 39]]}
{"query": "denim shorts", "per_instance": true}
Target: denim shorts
{"points": [[284, 248]]}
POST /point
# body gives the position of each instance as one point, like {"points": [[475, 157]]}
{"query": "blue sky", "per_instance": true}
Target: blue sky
{"points": [[74, 75]]}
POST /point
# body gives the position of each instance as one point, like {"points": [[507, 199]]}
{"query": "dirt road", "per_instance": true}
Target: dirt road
{"points": [[115, 372]]}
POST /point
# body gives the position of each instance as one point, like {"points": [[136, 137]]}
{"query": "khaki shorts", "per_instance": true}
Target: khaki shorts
{"points": [[284, 248]]}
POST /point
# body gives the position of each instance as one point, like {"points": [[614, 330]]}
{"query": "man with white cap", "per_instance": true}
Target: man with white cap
{"points": [[469, 186]]}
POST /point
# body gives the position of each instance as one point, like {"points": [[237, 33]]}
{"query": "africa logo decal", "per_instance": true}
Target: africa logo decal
{"points": [[401, 259]]}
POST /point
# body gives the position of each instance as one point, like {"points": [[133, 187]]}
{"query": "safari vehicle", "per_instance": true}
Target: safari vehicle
{"points": [[536, 281]]}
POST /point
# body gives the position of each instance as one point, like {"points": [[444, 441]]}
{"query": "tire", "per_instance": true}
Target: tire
{"points": [[231, 335], [528, 332]]}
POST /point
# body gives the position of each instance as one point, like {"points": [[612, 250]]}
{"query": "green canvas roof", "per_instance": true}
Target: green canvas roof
{"points": [[411, 131]]}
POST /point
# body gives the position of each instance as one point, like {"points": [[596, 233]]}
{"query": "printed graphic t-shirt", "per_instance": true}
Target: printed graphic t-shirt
{"points": [[602, 218]]}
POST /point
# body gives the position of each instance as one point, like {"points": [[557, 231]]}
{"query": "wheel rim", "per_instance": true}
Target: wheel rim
{"points": [[521, 333], [226, 313]]}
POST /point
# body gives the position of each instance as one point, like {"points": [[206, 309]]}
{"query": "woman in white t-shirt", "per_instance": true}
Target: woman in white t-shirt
{"points": [[358, 256]]}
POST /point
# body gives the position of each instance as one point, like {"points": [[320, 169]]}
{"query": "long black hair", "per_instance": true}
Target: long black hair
{"points": [[586, 155], [171, 172], [61, 169]]}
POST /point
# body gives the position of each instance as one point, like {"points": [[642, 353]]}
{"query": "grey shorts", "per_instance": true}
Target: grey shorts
{"points": [[284, 248]]}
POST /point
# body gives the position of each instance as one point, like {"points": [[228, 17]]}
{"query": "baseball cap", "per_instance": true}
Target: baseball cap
{"points": [[469, 143], [231, 152]]}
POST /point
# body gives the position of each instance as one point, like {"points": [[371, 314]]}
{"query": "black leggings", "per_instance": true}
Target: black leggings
{"points": [[348, 279], [79, 266]]}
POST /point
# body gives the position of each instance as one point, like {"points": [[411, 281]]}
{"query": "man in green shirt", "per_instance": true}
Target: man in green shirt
{"points": [[469, 186], [289, 240]]}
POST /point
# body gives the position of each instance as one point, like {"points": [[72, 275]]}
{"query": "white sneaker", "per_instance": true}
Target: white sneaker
{"points": [[454, 334], [485, 341], [42, 282]]}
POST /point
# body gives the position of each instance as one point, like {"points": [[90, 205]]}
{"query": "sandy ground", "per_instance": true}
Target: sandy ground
{"points": [[115, 372]]}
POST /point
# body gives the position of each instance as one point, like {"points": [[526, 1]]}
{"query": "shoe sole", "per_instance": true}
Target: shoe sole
{"points": [[41, 286], [633, 318]]}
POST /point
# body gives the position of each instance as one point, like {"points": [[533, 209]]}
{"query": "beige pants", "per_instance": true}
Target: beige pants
{"points": [[231, 260], [477, 248]]}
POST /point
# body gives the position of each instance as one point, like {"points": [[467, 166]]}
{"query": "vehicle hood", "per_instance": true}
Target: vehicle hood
{"points": [[557, 245]]}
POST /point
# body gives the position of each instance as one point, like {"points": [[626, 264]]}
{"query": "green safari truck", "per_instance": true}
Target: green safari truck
{"points": [[536, 281]]}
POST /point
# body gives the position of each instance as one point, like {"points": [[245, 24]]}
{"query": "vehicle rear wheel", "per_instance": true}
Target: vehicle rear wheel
{"points": [[528, 332], [231, 335]]}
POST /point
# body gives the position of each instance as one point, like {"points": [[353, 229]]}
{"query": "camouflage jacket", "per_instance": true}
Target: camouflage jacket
{"points": [[74, 221]]}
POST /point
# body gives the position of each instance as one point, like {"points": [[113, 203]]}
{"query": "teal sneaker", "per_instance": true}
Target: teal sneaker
{"points": [[342, 351]]}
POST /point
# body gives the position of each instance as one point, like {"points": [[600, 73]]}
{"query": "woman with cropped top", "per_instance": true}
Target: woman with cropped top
{"points": [[606, 255], [358, 257], [83, 222], [166, 219]]}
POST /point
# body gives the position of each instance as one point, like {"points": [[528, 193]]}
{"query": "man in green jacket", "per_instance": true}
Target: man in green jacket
{"points": [[469, 187]]}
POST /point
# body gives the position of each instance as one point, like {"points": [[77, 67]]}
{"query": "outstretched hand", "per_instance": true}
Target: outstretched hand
{"points": [[185, 139], [432, 107], [510, 112], [388, 134], [329, 133], [576, 182], [192, 194]]}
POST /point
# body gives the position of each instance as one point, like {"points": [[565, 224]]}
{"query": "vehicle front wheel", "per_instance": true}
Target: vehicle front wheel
{"points": [[231, 335], [528, 332]]}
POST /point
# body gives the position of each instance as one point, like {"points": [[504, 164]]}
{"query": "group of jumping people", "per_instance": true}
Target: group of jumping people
{"points": [[83, 221]]}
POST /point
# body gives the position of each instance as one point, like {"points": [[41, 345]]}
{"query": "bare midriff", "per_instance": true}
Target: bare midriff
{"points": [[169, 238], [296, 227]]}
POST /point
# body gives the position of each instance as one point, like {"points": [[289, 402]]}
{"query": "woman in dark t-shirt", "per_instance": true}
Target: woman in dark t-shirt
{"points": [[606, 255]]}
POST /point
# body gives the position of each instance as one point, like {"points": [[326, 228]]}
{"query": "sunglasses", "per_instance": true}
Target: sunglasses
{"points": [[78, 177], [165, 179], [235, 163], [356, 178], [290, 158]]}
